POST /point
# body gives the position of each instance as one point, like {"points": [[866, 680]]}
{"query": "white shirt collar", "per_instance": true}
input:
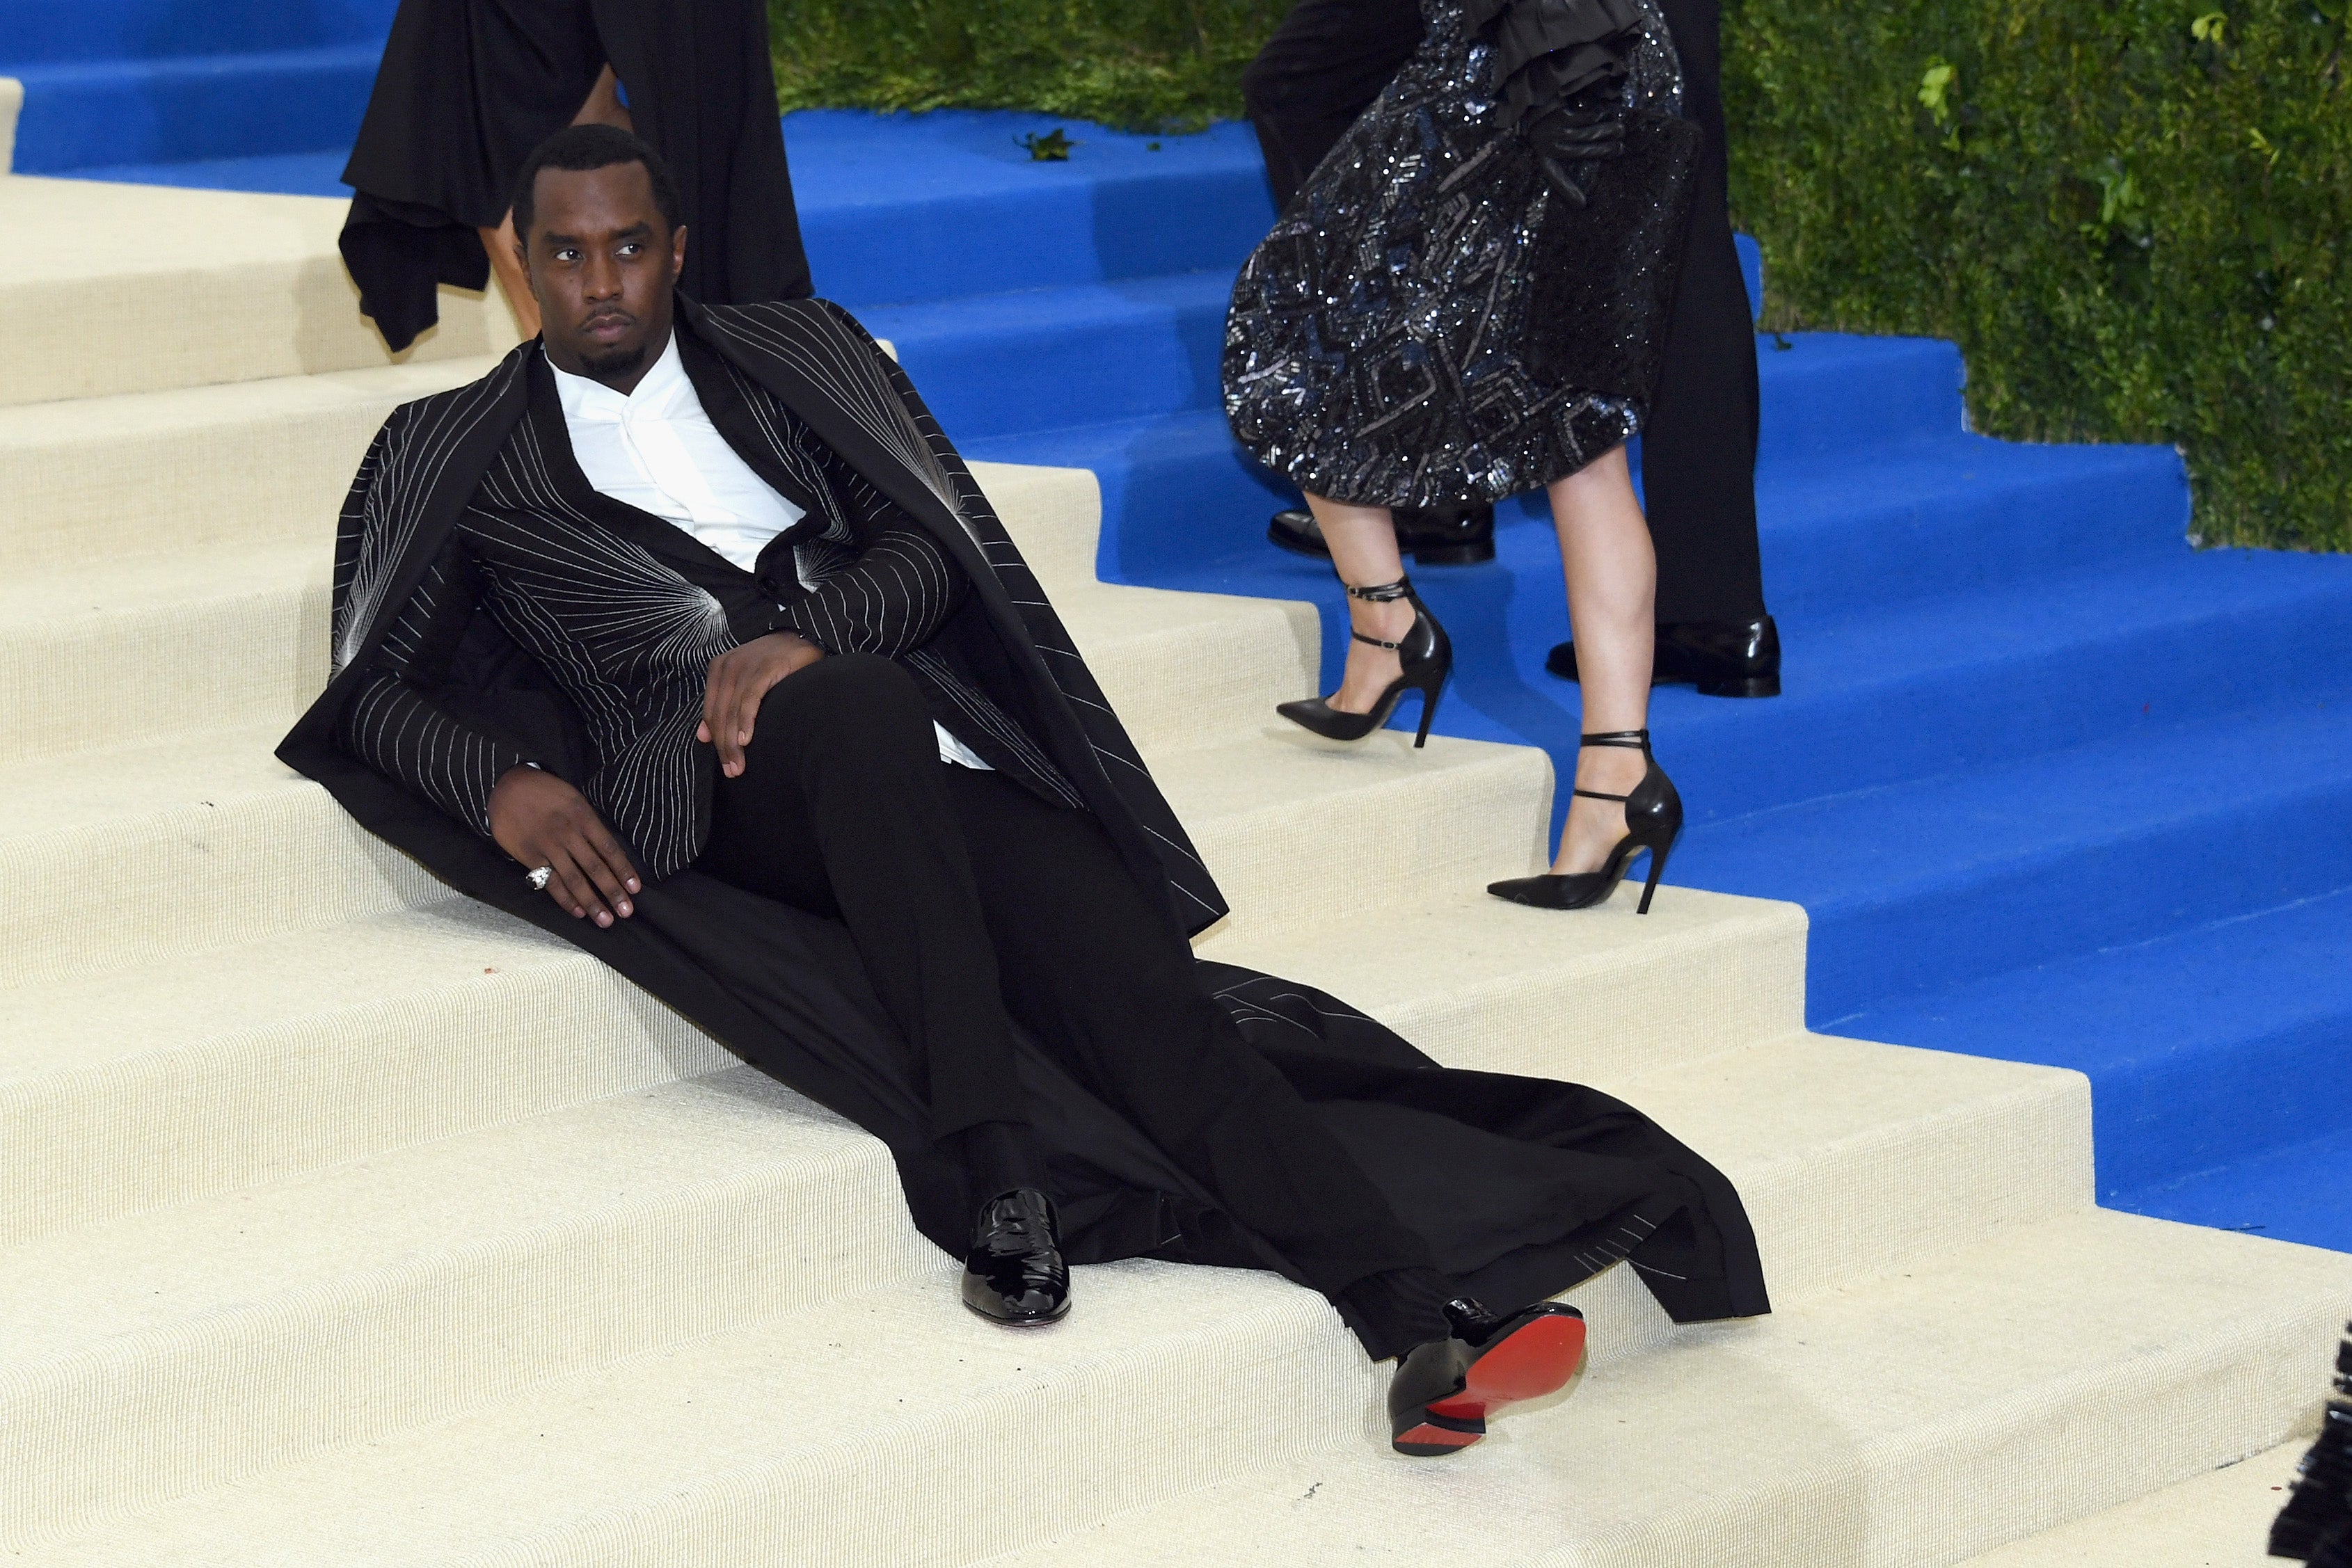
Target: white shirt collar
{"points": [[657, 391]]}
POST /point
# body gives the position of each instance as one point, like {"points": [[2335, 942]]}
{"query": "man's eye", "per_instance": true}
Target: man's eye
{"points": [[567, 254], [632, 247]]}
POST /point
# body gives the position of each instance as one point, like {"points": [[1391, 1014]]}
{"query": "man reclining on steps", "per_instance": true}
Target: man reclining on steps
{"points": [[686, 634]]}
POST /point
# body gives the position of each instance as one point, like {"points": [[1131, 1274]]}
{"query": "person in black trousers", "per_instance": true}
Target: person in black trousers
{"points": [[1324, 66], [685, 633]]}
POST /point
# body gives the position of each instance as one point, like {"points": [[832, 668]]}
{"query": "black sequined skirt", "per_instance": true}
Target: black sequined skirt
{"points": [[1430, 322]]}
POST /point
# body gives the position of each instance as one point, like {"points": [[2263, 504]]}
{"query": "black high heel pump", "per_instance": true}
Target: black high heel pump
{"points": [[1425, 653], [1653, 820]]}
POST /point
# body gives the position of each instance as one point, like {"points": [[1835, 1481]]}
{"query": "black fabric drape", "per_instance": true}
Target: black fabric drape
{"points": [[467, 88], [1522, 1186]]}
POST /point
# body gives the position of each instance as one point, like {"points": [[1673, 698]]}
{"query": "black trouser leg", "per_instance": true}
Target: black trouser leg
{"points": [[841, 811], [1325, 64], [1099, 974], [1699, 448]]}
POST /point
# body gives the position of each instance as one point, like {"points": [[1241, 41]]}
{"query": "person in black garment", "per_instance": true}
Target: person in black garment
{"points": [[686, 634], [1325, 64], [467, 88]]}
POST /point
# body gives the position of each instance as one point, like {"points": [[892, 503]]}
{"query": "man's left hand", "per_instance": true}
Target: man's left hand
{"points": [[740, 679]]}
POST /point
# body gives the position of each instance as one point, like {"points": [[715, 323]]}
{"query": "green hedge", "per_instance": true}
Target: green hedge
{"points": [[2131, 215], [1151, 65]]}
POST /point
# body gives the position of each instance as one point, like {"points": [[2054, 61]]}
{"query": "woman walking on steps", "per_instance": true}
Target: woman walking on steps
{"points": [[1467, 301]]}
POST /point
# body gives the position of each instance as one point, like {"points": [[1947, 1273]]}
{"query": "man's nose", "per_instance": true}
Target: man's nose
{"points": [[603, 277]]}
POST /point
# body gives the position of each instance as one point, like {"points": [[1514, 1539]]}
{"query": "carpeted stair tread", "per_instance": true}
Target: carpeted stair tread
{"points": [[2291, 1191], [250, 286], [2220, 1518], [2065, 852], [948, 203], [303, 1048], [40, 30], [95, 112], [1870, 1415], [1981, 678], [2245, 1017], [1477, 982], [1908, 521], [125, 477], [505, 1231], [1913, 1420], [164, 645], [420, 1282]]}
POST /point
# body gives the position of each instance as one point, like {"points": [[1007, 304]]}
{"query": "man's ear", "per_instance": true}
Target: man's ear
{"points": [[678, 252]]}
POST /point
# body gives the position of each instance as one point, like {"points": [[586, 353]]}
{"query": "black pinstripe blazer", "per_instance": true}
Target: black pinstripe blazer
{"points": [[492, 608]]}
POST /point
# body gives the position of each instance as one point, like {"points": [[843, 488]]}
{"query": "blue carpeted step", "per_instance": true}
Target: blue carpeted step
{"points": [[1898, 521], [2248, 1019], [1914, 886], [2300, 1192], [269, 174], [1828, 394], [48, 32], [201, 107], [1046, 359], [900, 208]]}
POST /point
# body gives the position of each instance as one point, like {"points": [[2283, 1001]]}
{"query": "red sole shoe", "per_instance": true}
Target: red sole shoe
{"points": [[1538, 1357]]}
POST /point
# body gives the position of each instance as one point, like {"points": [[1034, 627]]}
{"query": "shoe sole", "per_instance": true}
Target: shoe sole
{"points": [[1542, 1356], [1018, 1323]]}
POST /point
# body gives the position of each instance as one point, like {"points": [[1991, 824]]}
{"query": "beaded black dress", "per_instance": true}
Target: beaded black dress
{"points": [[1438, 318]]}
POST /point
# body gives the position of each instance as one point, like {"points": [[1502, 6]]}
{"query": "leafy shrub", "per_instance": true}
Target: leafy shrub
{"points": [[2132, 215]]}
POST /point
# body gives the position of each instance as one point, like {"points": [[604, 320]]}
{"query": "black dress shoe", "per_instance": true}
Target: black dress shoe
{"points": [[1014, 1274], [1444, 1389], [1452, 536], [1722, 658]]}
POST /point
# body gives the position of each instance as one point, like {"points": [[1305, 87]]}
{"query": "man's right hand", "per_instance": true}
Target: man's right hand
{"points": [[543, 821]]}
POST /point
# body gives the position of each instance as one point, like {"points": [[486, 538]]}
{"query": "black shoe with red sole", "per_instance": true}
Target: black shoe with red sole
{"points": [[1445, 1390]]}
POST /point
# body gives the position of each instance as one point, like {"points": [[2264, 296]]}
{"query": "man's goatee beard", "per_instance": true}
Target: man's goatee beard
{"points": [[613, 362]]}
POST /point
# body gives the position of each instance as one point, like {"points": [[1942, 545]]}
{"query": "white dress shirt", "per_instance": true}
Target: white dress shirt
{"points": [[657, 450]]}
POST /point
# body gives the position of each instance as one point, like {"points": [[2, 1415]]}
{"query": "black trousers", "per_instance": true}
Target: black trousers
{"points": [[1326, 64], [974, 903]]}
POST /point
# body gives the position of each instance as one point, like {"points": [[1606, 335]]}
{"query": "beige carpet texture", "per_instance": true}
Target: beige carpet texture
{"points": [[344, 1223]]}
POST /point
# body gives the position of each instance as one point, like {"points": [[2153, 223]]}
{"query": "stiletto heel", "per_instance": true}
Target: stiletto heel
{"points": [[1653, 820], [1425, 653]]}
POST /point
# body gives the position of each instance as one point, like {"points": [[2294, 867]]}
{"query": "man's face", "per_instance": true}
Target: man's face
{"points": [[601, 262]]}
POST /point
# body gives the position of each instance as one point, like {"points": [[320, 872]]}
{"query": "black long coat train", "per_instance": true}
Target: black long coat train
{"points": [[1523, 1188]]}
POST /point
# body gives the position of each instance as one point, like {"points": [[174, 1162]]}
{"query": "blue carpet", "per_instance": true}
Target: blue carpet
{"points": [[2051, 785]]}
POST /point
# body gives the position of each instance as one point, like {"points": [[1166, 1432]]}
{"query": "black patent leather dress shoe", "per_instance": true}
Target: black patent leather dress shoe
{"points": [[1456, 536], [1014, 1274], [1444, 1389], [1721, 658]]}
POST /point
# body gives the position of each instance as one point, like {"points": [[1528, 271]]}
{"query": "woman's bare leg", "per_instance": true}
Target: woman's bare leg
{"points": [[1364, 552], [1613, 592], [603, 105]]}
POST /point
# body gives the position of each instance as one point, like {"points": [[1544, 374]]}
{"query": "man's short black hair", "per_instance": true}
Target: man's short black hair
{"points": [[579, 148]]}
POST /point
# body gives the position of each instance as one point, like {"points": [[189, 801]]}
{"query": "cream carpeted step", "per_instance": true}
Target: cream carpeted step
{"points": [[415, 1282], [160, 645], [113, 857], [162, 288], [202, 1073], [1903, 1421], [221, 1066], [1908, 1423], [2217, 1519], [129, 476], [1477, 982]]}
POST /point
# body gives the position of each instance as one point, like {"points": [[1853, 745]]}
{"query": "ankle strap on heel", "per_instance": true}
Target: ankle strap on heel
{"points": [[1629, 740], [1380, 593]]}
